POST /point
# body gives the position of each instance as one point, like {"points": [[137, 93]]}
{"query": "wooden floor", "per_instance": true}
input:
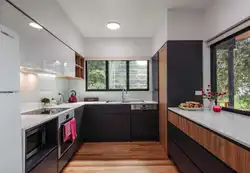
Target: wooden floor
{"points": [[125, 157]]}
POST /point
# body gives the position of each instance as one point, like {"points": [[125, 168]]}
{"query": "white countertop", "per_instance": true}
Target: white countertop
{"points": [[29, 121], [231, 125]]}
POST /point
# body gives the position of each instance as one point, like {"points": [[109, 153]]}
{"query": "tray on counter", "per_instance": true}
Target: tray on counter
{"points": [[191, 109]]}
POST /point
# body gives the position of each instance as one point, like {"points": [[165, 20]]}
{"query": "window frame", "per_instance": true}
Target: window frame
{"points": [[213, 69], [107, 77]]}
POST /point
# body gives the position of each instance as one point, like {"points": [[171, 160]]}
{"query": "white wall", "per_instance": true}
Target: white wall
{"points": [[219, 17], [185, 24], [118, 48], [79, 87], [224, 14], [33, 87], [2, 2], [160, 36], [159, 39], [50, 14]]}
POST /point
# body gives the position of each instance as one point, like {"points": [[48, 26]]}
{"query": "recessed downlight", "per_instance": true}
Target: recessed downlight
{"points": [[35, 25], [113, 25]]}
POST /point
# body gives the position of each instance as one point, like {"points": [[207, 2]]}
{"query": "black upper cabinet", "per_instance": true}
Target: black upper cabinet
{"points": [[145, 125], [184, 71]]}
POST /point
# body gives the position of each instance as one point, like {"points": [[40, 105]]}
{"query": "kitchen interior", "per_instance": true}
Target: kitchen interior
{"points": [[125, 86]]}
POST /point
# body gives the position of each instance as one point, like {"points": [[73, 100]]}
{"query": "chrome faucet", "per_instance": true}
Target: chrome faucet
{"points": [[124, 91]]}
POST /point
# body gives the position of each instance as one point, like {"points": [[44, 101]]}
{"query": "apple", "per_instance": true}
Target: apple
{"points": [[217, 109]]}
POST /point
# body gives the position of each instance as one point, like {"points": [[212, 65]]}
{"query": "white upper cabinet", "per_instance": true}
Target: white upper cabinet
{"points": [[9, 56], [39, 50], [69, 65]]}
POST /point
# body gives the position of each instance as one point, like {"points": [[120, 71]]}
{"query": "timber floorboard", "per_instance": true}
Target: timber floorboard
{"points": [[121, 157]]}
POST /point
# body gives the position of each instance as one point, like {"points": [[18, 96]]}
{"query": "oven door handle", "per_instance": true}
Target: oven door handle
{"points": [[33, 131], [66, 121]]}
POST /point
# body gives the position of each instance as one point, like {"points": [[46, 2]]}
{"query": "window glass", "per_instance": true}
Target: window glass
{"points": [[117, 75], [242, 72], [222, 75], [233, 71], [96, 75], [138, 74]]}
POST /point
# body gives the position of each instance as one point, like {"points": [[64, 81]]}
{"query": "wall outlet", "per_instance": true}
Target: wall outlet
{"points": [[198, 93]]}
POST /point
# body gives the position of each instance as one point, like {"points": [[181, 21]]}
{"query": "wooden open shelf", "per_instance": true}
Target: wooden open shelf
{"points": [[79, 67], [69, 78]]}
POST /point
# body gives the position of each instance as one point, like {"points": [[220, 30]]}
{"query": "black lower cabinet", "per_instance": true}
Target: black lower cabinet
{"points": [[63, 161], [106, 123], [196, 154], [184, 164], [48, 165], [144, 125], [118, 123], [79, 113]]}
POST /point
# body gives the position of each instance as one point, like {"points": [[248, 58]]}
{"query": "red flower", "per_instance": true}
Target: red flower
{"points": [[201, 89], [207, 89], [204, 94]]}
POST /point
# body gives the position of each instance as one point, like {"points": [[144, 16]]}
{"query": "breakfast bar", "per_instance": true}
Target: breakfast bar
{"points": [[209, 141]]}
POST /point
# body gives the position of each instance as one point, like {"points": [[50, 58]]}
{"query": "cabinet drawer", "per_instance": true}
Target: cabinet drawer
{"points": [[107, 109], [184, 164], [48, 165], [144, 125], [107, 127], [63, 161], [202, 158]]}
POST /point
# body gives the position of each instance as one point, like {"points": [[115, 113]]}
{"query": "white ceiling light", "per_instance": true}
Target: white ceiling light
{"points": [[35, 25], [113, 25]]}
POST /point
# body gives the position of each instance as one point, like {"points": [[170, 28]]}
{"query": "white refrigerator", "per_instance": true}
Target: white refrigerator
{"points": [[10, 125]]}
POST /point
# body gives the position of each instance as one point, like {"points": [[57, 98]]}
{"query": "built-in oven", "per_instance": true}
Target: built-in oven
{"points": [[64, 146], [35, 140]]}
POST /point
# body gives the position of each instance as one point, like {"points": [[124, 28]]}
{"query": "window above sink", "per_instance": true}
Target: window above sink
{"points": [[117, 75]]}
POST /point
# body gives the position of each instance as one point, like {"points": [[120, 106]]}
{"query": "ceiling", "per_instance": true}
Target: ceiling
{"points": [[138, 18]]}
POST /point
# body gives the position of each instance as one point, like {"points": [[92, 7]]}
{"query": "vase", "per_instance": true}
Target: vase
{"points": [[211, 105]]}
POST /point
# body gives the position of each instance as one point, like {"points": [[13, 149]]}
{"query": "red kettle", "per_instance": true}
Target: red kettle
{"points": [[72, 98]]}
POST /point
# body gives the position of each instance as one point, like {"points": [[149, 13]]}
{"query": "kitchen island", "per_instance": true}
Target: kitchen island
{"points": [[204, 141]]}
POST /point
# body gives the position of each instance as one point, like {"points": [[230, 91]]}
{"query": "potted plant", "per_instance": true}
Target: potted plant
{"points": [[211, 96], [45, 101]]}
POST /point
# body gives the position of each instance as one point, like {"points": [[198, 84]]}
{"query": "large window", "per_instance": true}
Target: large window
{"points": [[231, 59], [117, 75]]}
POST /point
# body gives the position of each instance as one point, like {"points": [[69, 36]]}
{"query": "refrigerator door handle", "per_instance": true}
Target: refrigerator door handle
{"points": [[8, 92]]}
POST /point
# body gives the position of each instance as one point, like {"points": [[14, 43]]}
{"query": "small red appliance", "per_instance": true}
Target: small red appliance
{"points": [[72, 98]]}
